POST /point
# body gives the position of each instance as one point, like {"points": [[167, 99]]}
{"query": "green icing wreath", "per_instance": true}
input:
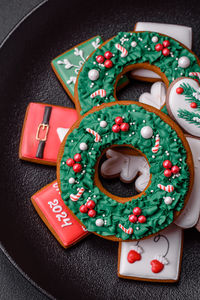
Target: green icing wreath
{"points": [[143, 51], [158, 214]]}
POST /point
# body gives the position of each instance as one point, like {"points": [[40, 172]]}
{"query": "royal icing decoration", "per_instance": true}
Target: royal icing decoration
{"points": [[144, 264], [58, 218], [95, 134], [190, 214], [127, 167], [152, 215], [157, 144], [156, 97], [101, 93], [146, 132], [43, 131], [78, 195], [179, 105], [123, 51]]}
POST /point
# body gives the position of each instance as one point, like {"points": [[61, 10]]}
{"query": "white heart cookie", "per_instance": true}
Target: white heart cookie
{"points": [[156, 97]]}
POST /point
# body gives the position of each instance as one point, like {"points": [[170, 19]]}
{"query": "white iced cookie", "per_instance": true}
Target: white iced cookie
{"points": [[159, 261], [190, 215], [181, 33], [156, 97], [127, 167], [183, 104]]}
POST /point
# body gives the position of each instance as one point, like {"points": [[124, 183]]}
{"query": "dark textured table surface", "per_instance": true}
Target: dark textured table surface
{"points": [[13, 286]]}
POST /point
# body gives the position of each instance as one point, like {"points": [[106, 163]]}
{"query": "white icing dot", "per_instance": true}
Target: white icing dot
{"points": [[89, 198], [89, 153], [137, 228], [151, 191], [63, 163], [94, 196], [92, 149], [184, 62], [129, 134], [134, 44], [103, 215], [99, 222], [154, 39], [133, 110], [103, 124], [175, 140], [153, 156], [146, 132], [168, 200], [94, 62], [144, 121], [145, 46], [71, 180], [72, 141], [83, 146]]}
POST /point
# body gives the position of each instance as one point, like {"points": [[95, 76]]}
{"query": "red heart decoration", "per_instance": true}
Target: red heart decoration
{"points": [[156, 266], [133, 256]]}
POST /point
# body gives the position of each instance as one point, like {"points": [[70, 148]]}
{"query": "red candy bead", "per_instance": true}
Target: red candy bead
{"points": [[193, 105], [92, 213], [158, 47], [77, 168], [179, 90], [108, 54], [115, 128], [124, 127], [175, 169], [137, 211], [90, 204], [142, 219], [70, 162], [166, 43], [77, 157], [83, 209], [167, 164], [100, 59], [118, 120], [168, 173], [132, 218], [108, 63], [165, 51]]}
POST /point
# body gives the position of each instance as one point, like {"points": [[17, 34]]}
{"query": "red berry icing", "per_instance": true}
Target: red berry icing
{"points": [[100, 59], [137, 211], [92, 213], [132, 218], [124, 127], [133, 256], [83, 209], [167, 164], [175, 169], [166, 43], [70, 162], [108, 54], [156, 266], [115, 128], [193, 105], [165, 51], [77, 157], [168, 173], [77, 168], [179, 90], [118, 120], [142, 219], [90, 204], [108, 63], [158, 47]]}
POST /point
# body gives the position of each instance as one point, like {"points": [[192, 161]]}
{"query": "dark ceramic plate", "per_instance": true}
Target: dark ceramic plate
{"points": [[89, 269]]}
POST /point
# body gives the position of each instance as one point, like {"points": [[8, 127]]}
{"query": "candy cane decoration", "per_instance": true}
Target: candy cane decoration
{"points": [[129, 231], [169, 188], [97, 136], [78, 195], [121, 49], [197, 74], [157, 144], [101, 93]]}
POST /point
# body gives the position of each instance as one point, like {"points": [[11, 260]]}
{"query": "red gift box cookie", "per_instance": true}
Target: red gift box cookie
{"points": [[44, 128]]}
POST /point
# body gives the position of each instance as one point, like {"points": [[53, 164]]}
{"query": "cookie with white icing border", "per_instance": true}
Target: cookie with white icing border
{"points": [[183, 104]]}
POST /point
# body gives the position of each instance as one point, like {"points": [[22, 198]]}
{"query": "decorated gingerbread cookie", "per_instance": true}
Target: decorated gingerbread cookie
{"points": [[124, 52], [52, 210], [154, 259], [44, 128], [156, 138], [68, 64], [183, 104]]}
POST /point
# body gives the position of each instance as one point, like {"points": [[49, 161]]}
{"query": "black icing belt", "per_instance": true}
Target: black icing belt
{"points": [[44, 125]]}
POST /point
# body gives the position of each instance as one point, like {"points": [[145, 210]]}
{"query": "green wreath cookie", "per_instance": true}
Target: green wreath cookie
{"points": [[96, 83], [145, 129]]}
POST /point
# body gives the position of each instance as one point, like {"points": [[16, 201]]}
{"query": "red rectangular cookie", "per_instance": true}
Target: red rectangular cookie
{"points": [[44, 128], [58, 218]]}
